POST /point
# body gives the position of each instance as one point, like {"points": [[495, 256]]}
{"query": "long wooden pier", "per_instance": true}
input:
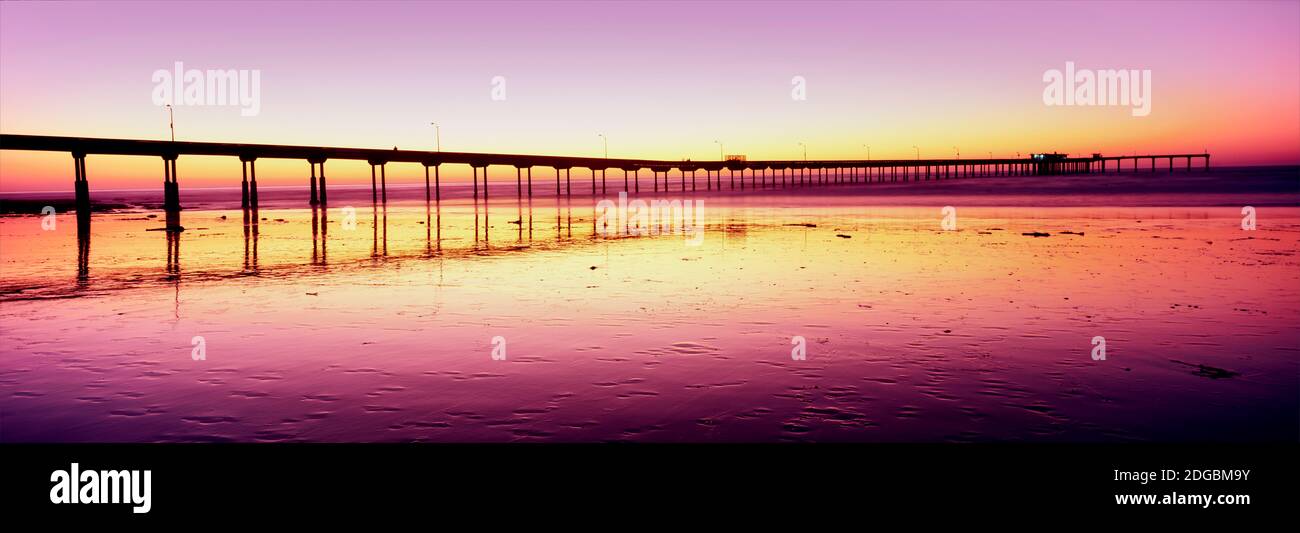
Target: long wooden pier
{"points": [[762, 174]]}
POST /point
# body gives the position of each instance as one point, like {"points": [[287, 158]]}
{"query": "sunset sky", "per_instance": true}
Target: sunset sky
{"points": [[661, 80]]}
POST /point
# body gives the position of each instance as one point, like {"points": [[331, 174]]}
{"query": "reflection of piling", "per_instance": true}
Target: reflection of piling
{"points": [[324, 233], [250, 241], [173, 243], [315, 235], [83, 249], [379, 232]]}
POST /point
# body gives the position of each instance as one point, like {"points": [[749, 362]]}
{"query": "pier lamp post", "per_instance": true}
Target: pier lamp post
{"points": [[437, 135], [805, 151], [605, 140], [868, 147], [171, 122], [720, 151], [918, 152], [958, 150]]}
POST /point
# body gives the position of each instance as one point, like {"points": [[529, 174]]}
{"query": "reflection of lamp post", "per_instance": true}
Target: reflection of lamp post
{"points": [[171, 122], [605, 139], [437, 135], [720, 156], [918, 152], [868, 147], [805, 151]]}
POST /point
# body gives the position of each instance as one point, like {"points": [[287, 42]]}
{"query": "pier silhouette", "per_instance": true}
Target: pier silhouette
{"points": [[762, 174]]}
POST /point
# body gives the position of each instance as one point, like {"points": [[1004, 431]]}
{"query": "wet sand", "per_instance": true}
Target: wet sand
{"points": [[384, 332]]}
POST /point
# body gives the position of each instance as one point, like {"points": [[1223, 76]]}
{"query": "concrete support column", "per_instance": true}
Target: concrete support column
{"points": [[313, 200], [81, 185], [374, 186], [171, 189], [324, 199]]}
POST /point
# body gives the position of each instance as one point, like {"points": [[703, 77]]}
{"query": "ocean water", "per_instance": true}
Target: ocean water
{"points": [[541, 321]]}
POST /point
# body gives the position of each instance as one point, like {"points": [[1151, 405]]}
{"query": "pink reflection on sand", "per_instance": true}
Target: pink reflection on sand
{"points": [[914, 333]]}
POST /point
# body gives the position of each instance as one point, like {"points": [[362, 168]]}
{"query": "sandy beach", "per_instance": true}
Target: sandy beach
{"points": [[387, 331]]}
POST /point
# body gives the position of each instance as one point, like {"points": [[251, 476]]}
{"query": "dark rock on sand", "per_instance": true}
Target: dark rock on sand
{"points": [[1207, 371]]}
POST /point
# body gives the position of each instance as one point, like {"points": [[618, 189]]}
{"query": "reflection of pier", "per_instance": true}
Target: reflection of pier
{"points": [[762, 174], [539, 226]]}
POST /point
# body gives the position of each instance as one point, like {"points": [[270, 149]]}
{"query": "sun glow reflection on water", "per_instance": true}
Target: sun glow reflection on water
{"points": [[383, 332]]}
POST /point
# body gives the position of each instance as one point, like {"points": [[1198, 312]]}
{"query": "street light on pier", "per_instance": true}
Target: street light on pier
{"points": [[720, 151], [918, 152], [805, 151], [868, 147], [605, 140], [437, 135], [958, 150], [171, 122]]}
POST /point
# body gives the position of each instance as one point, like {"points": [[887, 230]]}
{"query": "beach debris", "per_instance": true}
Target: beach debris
{"points": [[516, 221], [1079, 233], [593, 267], [1207, 371], [1036, 234], [313, 294], [803, 225], [843, 236]]}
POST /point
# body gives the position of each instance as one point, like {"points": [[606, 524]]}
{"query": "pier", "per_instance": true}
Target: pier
{"points": [[667, 175]]}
